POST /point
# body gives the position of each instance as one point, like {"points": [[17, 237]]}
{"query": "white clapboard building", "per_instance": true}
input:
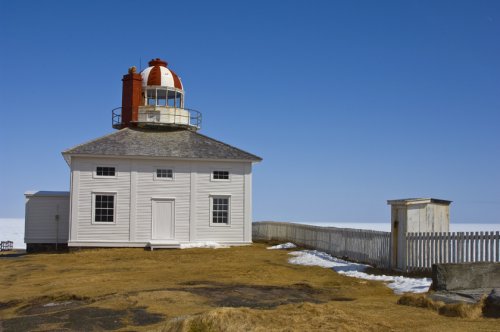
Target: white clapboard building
{"points": [[155, 182]]}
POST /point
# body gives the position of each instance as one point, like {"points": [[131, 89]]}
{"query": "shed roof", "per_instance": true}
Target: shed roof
{"points": [[411, 201], [46, 193], [183, 144]]}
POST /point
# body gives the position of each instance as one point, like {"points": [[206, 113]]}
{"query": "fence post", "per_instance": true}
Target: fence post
{"points": [[440, 247], [497, 240], [487, 246], [466, 247], [409, 241], [460, 247], [481, 246]]}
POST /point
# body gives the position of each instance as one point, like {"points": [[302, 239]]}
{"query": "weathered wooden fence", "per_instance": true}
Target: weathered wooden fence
{"points": [[425, 249], [372, 247], [6, 245]]}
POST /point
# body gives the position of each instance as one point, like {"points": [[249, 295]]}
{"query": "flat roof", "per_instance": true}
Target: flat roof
{"points": [[46, 193], [410, 201]]}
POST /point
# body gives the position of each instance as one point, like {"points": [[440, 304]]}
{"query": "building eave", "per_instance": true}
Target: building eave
{"points": [[69, 156], [413, 201]]}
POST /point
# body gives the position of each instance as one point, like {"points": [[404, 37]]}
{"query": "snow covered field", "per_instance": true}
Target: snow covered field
{"points": [[13, 228], [398, 284]]}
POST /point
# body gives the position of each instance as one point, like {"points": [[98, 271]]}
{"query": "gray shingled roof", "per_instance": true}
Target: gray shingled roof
{"points": [[168, 144]]}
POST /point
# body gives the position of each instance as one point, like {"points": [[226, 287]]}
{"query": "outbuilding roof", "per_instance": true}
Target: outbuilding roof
{"points": [[182, 144], [411, 201]]}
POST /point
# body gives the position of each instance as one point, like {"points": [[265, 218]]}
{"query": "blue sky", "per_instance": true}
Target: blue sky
{"points": [[350, 103]]}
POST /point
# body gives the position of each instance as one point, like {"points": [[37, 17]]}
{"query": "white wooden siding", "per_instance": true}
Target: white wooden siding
{"points": [[177, 189], [421, 218], [235, 188], [41, 225], [88, 184], [135, 187]]}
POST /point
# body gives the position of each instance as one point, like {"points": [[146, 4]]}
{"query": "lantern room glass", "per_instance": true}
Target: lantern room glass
{"points": [[164, 97], [161, 97], [151, 97]]}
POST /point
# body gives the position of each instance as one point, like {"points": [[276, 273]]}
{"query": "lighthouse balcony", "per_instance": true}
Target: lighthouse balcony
{"points": [[160, 116]]}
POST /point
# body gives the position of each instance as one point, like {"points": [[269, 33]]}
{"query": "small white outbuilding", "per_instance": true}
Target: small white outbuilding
{"points": [[414, 215], [156, 182]]}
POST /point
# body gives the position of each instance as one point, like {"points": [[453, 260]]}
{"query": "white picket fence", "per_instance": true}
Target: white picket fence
{"points": [[372, 247], [425, 249]]}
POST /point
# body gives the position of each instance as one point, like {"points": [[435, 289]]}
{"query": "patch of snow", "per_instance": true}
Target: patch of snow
{"points": [[53, 304], [204, 244], [287, 245], [12, 229], [398, 284]]}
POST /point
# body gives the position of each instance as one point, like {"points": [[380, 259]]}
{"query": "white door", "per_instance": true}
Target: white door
{"points": [[163, 219]]}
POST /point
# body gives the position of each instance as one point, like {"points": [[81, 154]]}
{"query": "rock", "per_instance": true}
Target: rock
{"points": [[451, 298], [451, 277], [492, 304]]}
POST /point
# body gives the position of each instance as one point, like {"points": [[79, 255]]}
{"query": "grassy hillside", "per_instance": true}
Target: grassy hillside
{"points": [[235, 289]]}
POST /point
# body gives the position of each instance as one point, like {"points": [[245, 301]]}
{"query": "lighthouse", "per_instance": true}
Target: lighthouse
{"points": [[155, 99], [155, 182]]}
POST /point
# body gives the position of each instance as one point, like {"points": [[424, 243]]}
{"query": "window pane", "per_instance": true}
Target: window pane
{"points": [[178, 97], [104, 208], [105, 171], [221, 175], [171, 98], [161, 96], [164, 173], [151, 96], [220, 210]]}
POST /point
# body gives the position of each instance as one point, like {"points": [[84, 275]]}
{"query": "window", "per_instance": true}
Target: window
{"points": [[105, 171], [161, 96], [220, 175], [220, 210], [164, 174], [171, 98], [178, 100], [104, 208], [151, 97]]}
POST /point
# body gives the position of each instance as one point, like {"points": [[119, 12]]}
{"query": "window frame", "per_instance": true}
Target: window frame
{"points": [[178, 99], [104, 193], [95, 176], [220, 170], [155, 173], [146, 102], [211, 217]]}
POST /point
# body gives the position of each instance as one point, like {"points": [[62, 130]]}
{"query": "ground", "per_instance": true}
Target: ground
{"points": [[235, 289]]}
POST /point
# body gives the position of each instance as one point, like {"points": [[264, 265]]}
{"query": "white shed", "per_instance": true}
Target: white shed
{"points": [[46, 219], [413, 215]]}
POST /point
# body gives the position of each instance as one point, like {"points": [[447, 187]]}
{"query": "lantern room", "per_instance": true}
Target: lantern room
{"points": [[154, 99]]}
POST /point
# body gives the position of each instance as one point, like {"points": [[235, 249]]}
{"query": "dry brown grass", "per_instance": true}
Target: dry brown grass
{"points": [[462, 310], [236, 289], [420, 301]]}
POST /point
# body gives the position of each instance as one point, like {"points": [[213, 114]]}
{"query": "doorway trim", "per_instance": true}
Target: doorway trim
{"points": [[153, 221]]}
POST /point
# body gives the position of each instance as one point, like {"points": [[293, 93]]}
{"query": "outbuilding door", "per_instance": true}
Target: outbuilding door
{"points": [[163, 219]]}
